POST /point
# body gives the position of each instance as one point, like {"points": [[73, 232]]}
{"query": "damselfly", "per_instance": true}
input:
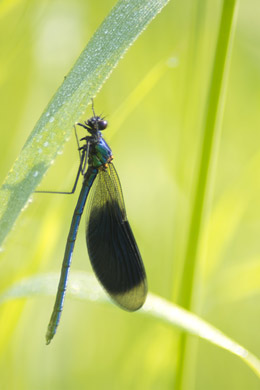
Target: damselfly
{"points": [[112, 248]]}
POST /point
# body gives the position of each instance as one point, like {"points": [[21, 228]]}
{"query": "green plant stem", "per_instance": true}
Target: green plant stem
{"points": [[213, 114]]}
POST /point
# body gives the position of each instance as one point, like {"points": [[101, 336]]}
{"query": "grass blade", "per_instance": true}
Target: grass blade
{"points": [[85, 287], [213, 114], [107, 46]]}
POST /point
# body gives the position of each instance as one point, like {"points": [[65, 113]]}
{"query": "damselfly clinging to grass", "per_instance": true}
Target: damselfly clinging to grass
{"points": [[112, 248]]}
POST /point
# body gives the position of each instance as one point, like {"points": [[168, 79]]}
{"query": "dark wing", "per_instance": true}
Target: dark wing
{"points": [[112, 248]]}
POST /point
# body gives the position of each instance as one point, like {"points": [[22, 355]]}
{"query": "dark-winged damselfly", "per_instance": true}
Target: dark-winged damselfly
{"points": [[112, 248]]}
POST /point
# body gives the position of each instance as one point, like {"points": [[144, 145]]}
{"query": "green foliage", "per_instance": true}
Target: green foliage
{"points": [[202, 253]]}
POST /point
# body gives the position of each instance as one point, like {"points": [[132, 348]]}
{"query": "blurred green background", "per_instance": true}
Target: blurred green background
{"points": [[155, 102]]}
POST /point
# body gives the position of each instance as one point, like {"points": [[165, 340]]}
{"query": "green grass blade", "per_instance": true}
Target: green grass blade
{"points": [[211, 131], [208, 148], [85, 287], [107, 46]]}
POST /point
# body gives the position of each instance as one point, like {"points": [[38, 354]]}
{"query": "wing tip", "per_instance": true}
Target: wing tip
{"points": [[133, 299]]}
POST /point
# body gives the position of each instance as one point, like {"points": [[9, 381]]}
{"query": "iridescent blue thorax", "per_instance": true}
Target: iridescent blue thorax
{"points": [[99, 153]]}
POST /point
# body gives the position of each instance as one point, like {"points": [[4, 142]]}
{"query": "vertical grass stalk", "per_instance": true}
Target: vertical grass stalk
{"points": [[211, 130]]}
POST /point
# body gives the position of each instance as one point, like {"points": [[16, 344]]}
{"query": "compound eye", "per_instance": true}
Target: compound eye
{"points": [[102, 125]]}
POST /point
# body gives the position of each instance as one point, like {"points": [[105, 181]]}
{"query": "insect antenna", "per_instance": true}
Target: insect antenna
{"points": [[93, 107]]}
